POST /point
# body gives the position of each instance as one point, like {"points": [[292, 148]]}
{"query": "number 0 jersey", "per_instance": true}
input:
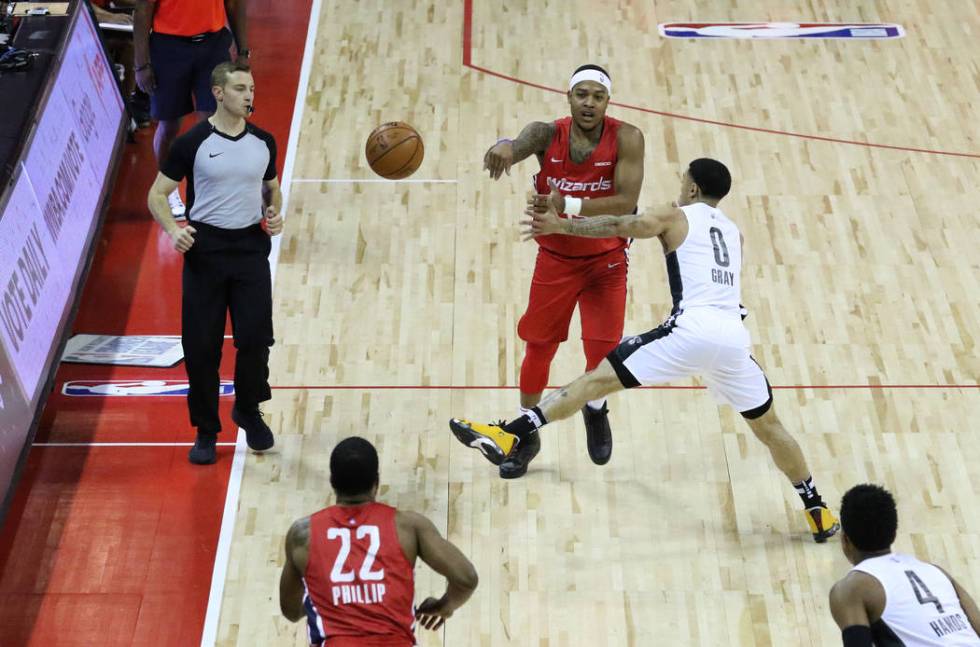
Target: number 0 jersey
{"points": [[360, 587], [921, 605], [705, 271]]}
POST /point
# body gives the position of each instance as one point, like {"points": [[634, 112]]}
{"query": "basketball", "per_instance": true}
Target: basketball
{"points": [[394, 150]]}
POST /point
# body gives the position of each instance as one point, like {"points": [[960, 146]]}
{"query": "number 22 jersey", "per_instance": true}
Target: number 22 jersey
{"points": [[360, 587]]}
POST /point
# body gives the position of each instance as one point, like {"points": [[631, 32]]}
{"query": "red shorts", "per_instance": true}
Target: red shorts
{"points": [[596, 283]]}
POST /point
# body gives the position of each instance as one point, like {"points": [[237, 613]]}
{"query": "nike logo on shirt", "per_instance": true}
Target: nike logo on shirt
{"points": [[215, 154], [612, 265], [555, 161]]}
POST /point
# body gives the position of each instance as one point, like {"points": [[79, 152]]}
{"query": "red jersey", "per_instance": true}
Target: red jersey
{"points": [[360, 587], [593, 178]]}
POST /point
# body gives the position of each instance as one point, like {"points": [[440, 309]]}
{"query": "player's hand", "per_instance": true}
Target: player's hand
{"points": [[146, 80], [183, 238], [273, 222], [499, 158], [433, 613], [540, 201], [540, 223]]}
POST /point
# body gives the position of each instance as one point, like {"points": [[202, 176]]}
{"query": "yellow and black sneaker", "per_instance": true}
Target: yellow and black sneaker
{"points": [[823, 524], [492, 440]]}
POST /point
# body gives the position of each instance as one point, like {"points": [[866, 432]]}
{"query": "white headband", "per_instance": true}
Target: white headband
{"points": [[591, 75]]}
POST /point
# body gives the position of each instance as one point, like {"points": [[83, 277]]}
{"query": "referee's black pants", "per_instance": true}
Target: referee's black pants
{"points": [[226, 270]]}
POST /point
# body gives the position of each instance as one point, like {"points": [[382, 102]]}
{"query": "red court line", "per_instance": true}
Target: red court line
{"points": [[662, 387], [468, 62]]}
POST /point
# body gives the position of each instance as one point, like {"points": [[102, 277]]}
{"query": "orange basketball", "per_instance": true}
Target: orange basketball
{"points": [[394, 150]]}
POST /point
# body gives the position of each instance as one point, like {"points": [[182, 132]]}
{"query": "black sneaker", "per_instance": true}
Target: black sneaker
{"points": [[597, 433], [257, 434], [203, 452], [515, 465]]}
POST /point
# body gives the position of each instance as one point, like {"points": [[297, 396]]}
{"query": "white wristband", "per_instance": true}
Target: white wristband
{"points": [[573, 206]]}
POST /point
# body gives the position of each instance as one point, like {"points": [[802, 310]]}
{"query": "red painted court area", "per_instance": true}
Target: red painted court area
{"points": [[115, 545]]}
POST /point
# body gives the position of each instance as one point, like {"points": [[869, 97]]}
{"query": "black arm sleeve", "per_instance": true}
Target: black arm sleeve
{"points": [[270, 172], [180, 160], [270, 143], [857, 636]]}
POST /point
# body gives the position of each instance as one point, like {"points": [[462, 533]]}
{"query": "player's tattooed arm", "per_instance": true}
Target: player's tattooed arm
{"points": [[291, 581], [648, 224], [535, 138]]}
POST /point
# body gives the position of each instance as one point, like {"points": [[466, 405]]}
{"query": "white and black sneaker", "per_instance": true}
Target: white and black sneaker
{"points": [[177, 208]]}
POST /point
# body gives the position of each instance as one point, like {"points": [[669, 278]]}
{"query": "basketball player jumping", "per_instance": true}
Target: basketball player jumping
{"points": [[597, 163], [892, 599], [350, 568], [704, 334]]}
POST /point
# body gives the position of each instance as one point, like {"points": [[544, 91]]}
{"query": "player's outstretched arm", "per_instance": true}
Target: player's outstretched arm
{"points": [[649, 224], [535, 138], [849, 606], [447, 560], [291, 581]]}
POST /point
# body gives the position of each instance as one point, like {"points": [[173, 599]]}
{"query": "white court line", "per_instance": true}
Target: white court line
{"points": [[228, 517], [125, 445], [223, 552], [338, 180]]}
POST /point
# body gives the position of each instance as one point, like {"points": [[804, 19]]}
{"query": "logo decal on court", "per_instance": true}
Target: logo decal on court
{"points": [[136, 387], [747, 30]]}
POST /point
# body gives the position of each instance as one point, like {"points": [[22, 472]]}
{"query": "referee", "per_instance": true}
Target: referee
{"points": [[232, 209]]}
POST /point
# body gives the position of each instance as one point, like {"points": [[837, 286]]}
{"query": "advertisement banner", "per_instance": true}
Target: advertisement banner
{"points": [[49, 214]]}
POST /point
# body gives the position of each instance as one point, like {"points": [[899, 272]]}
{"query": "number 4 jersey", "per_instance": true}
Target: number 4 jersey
{"points": [[921, 605], [360, 587]]}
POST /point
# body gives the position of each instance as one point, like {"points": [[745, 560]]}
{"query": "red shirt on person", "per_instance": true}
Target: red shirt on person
{"points": [[360, 587], [593, 178]]}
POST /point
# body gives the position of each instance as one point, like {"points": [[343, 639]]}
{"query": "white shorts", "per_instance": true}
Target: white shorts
{"points": [[697, 343]]}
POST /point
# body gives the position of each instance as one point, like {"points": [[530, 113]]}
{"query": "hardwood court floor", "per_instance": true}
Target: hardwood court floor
{"points": [[861, 274]]}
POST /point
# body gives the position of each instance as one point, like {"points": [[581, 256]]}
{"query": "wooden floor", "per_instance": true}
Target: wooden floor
{"points": [[861, 270]]}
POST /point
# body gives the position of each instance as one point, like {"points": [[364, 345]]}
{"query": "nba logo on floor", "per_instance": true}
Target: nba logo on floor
{"points": [[88, 388], [778, 30]]}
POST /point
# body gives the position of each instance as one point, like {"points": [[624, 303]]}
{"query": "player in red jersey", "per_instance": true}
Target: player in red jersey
{"points": [[597, 162], [349, 568]]}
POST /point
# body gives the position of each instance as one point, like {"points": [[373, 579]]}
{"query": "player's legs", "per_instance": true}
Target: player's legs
{"points": [[535, 369], [785, 451], [602, 306], [651, 358], [501, 442], [555, 286], [570, 398], [736, 378]]}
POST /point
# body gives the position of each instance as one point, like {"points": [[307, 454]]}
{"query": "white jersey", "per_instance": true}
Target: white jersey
{"points": [[921, 605], [705, 271]]}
